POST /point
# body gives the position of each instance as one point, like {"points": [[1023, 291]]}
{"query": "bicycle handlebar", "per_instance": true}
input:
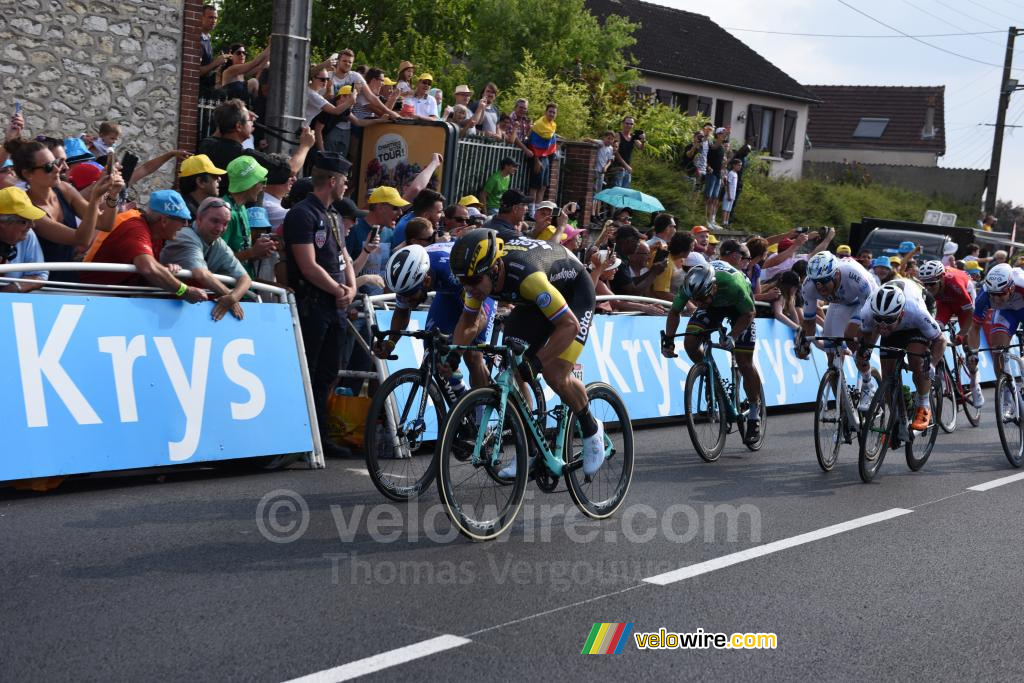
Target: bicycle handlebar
{"points": [[925, 354]]}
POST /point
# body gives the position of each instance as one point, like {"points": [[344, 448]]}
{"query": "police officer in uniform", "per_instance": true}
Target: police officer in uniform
{"points": [[321, 273]]}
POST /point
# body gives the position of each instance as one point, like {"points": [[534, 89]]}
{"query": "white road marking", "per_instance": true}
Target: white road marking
{"points": [[358, 470], [775, 546], [384, 660], [997, 482]]}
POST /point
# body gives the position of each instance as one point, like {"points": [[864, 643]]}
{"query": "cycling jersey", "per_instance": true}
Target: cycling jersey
{"points": [[447, 304], [719, 264], [731, 300], [1014, 302], [955, 297], [855, 287], [554, 282], [915, 318]]}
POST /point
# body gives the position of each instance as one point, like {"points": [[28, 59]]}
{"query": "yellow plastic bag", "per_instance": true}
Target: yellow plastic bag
{"points": [[346, 424]]}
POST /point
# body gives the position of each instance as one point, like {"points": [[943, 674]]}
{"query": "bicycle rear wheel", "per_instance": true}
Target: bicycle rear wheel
{"points": [[479, 505], [744, 405], [1008, 420], [602, 495], [919, 446], [401, 434], [947, 395], [829, 420], [876, 429], [705, 413]]}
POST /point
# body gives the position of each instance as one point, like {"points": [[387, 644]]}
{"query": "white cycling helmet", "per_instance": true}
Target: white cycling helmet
{"points": [[407, 269], [999, 278], [931, 271], [822, 266], [888, 302], [699, 280]]}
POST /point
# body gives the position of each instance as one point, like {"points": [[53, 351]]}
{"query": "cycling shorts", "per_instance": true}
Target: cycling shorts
{"points": [[837, 317], [527, 325], [704, 319], [1007, 320], [901, 340], [445, 310]]}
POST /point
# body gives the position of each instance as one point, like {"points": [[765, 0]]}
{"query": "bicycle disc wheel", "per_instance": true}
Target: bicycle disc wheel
{"points": [[919, 447], [602, 495], [480, 505], [876, 428], [705, 413], [1008, 420], [947, 399], [963, 387], [401, 433], [829, 421], [744, 405]]}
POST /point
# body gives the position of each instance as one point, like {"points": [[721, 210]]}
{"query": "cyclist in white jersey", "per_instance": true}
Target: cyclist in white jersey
{"points": [[904, 323]]}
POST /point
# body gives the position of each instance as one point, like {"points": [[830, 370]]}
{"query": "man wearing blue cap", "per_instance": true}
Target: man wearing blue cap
{"points": [[137, 241], [321, 273], [199, 248]]}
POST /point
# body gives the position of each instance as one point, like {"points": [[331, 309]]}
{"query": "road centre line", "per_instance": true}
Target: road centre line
{"points": [[384, 660], [997, 482], [693, 570]]}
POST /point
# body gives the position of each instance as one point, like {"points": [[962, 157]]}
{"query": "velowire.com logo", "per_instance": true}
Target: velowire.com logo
{"points": [[607, 639]]}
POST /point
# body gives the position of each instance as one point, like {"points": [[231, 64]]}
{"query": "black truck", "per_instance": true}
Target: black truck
{"points": [[879, 234]]}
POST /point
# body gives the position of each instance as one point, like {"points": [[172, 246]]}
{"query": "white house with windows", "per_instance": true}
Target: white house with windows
{"points": [[690, 62]]}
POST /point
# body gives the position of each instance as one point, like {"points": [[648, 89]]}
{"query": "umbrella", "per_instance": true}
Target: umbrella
{"points": [[624, 197]]}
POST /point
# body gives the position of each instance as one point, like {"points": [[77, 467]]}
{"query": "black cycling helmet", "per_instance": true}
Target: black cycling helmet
{"points": [[475, 252]]}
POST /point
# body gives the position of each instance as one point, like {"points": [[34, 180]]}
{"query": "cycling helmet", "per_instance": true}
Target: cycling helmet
{"points": [[407, 269], [699, 280], [999, 279], [931, 271], [888, 302], [822, 266], [475, 252]]}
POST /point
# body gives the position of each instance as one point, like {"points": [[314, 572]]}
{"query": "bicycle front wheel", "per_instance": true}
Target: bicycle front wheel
{"points": [[1008, 420], [947, 393], [919, 446], [476, 444], [876, 430], [705, 413], [964, 382], [401, 431], [601, 495], [829, 420]]}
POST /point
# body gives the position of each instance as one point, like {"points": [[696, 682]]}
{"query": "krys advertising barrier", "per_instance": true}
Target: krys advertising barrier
{"points": [[93, 384], [624, 352]]}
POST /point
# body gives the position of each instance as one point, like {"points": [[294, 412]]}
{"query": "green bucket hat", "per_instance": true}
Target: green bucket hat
{"points": [[243, 173]]}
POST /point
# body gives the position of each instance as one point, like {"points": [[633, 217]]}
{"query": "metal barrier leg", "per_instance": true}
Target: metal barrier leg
{"points": [[316, 459]]}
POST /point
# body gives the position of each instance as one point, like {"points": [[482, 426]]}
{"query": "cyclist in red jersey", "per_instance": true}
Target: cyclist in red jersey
{"points": [[953, 292]]}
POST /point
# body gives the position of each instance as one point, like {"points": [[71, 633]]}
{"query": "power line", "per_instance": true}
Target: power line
{"points": [[847, 35], [1004, 16], [948, 23], [907, 35], [965, 14]]}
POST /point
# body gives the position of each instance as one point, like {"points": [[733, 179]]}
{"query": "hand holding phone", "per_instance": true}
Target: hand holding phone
{"points": [[660, 255], [374, 232]]}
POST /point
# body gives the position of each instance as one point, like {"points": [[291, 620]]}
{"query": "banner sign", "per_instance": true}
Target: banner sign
{"points": [[394, 154], [93, 384], [624, 351]]}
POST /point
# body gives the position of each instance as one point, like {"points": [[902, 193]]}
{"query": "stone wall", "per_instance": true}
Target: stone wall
{"points": [[75, 63]]}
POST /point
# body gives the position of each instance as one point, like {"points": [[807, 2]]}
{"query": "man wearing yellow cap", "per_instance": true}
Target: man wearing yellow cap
{"points": [[18, 243], [424, 106], [199, 179]]}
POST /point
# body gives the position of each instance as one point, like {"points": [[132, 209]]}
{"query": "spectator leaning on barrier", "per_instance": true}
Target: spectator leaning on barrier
{"points": [[18, 243], [199, 248], [138, 240], [235, 125], [508, 221], [384, 205], [246, 179], [667, 282], [321, 274], [498, 184], [456, 219], [198, 179], [664, 228], [423, 104]]}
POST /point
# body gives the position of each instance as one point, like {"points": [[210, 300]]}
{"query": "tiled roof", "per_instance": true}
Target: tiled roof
{"points": [[691, 47], [832, 123]]}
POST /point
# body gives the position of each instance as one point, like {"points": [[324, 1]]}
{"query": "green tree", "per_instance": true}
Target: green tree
{"points": [[531, 82]]}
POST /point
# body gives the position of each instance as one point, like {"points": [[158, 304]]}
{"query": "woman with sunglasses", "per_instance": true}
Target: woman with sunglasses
{"points": [[70, 219], [233, 77]]}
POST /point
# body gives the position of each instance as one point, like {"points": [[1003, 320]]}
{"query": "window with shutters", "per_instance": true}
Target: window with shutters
{"points": [[704, 106], [766, 132], [788, 133], [723, 113]]}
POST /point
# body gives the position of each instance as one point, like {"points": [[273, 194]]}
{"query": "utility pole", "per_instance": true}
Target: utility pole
{"points": [[289, 61], [1006, 88]]}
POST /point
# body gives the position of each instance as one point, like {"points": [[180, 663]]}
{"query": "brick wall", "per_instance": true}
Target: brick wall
{"points": [[578, 169], [190, 54]]}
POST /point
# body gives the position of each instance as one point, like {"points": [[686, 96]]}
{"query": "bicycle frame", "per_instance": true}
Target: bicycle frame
{"points": [[715, 376], [839, 365]]}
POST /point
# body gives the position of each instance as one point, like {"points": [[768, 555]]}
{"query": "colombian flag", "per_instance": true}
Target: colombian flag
{"points": [[607, 639], [543, 141]]}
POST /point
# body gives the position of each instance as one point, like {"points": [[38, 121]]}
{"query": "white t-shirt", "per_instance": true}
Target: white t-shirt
{"points": [[605, 154], [275, 212], [733, 179], [315, 103], [352, 78], [424, 106]]}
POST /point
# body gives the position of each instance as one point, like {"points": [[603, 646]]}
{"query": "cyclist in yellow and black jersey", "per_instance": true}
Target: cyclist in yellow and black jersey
{"points": [[555, 308]]}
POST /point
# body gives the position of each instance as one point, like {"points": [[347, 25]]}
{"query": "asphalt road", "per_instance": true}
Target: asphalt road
{"points": [[174, 578]]}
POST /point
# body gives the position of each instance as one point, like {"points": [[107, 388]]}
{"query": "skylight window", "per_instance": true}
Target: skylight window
{"points": [[870, 128]]}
